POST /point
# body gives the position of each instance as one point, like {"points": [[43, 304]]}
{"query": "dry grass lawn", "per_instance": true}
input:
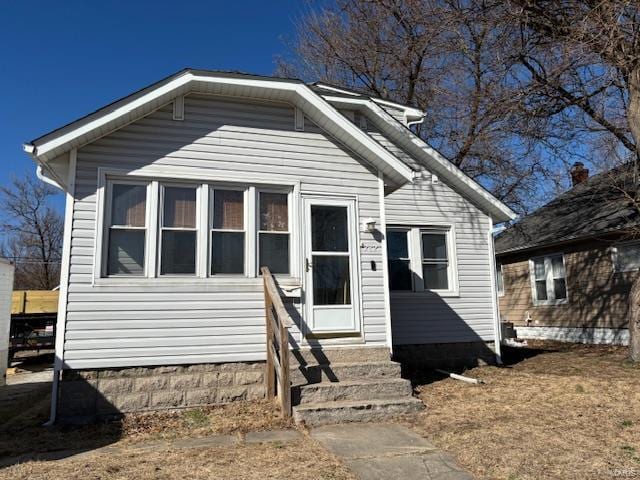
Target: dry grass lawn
{"points": [[24, 434], [570, 412], [304, 461]]}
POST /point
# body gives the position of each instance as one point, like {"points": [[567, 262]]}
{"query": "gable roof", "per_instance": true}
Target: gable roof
{"points": [[317, 101], [594, 207], [425, 154], [143, 102]]}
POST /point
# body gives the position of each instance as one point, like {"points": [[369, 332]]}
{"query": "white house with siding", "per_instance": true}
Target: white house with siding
{"points": [[177, 194]]}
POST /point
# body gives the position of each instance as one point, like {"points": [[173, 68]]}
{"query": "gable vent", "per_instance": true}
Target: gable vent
{"points": [[178, 108], [299, 120]]}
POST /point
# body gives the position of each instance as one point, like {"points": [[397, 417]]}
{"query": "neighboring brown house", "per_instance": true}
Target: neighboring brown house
{"points": [[565, 271]]}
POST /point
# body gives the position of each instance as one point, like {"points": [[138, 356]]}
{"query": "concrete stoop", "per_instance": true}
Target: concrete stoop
{"points": [[335, 386]]}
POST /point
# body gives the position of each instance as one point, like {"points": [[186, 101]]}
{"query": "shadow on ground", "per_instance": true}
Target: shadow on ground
{"points": [[24, 408]]}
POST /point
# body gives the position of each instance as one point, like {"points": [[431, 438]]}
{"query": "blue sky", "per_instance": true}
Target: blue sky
{"points": [[63, 59]]}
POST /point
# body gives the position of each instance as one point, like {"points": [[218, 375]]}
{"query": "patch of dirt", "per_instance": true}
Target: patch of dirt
{"points": [[569, 411], [23, 431], [302, 461], [237, 417]]}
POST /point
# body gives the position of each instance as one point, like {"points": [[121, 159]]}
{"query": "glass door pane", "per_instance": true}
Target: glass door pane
{"points": [[330, 255]]}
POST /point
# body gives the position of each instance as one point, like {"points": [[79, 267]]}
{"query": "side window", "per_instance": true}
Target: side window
{"points": [[227, 232], [127, 229], [273, 232], [549, 279], [178, 233], [400, 276], [435, 261], [626, 257], [499, 279]]}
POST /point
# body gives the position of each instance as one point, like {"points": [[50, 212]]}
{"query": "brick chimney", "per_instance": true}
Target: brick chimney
{"points": [[578, 173]]}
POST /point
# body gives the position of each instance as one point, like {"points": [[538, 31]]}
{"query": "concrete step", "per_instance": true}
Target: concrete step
{"points": [[354, 390], [314, 414], [340, 372], [324, 356]]}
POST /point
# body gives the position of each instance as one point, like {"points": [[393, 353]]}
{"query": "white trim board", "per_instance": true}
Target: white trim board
{"points": [[596, 336]]}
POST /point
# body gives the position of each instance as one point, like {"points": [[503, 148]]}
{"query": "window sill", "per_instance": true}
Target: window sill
{"points": [[286, 282], [549, 303], [425, 293]]}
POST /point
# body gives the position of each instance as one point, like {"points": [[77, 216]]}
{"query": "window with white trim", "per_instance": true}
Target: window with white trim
{"points": [[435, 260], [626, 257], [227, 232], [178, 230], [421, 259], [400, 275], [548, 277], [273, 232], [127, 229]]}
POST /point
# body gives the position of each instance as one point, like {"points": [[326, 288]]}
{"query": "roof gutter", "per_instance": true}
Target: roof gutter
{"points": [[31, 150]]}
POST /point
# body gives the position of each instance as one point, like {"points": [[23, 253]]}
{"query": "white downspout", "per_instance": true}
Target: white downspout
{"points": [[494, 295], [46, 179], [385, 264], [64, 286]]}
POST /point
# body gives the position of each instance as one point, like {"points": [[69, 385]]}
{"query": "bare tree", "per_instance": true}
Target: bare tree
{"points": [[450, 59], [580, 64], [33, 233]]}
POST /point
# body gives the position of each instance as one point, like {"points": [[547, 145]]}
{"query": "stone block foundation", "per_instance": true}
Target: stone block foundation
{"points": [[445, 355], [89, 395]]}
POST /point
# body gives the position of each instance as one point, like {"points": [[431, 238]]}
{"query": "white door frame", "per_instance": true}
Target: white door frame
{"points": [[352, 221]]}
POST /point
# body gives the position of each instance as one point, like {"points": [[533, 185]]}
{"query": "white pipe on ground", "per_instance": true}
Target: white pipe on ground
{"points": [[461, 377]]}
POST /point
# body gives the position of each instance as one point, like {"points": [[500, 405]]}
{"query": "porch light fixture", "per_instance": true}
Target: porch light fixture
{"points": [[369, 225]]}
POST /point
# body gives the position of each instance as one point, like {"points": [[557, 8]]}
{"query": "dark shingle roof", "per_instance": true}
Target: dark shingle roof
{"points": [[594, 207]]}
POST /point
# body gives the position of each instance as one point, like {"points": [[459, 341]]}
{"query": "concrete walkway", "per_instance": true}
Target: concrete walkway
{"points": [[383, 451], [211, 441]]}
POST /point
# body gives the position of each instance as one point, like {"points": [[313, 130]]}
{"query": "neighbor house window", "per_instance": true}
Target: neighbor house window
{"points": [[178, 236], [399, 259], [549, 279], [227, 232], [273, 232], [127, 229], [499, 279], [421, 259], [626, 257]]}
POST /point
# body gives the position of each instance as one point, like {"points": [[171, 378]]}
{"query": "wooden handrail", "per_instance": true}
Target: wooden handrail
{"points": [[278, 379]]}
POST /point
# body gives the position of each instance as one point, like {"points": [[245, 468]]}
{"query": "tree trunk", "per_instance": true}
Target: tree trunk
{"points": [[633, 113], [634, 321], [633, 117]]}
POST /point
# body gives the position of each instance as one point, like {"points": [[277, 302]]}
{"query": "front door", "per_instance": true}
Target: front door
{"points": [[330, 266]]}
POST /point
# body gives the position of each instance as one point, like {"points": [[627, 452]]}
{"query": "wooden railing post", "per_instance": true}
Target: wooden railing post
{"points": [[270, 377], [278, 321]]}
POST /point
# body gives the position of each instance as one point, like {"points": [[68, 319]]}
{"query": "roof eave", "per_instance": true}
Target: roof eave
{"points": [[498, 211], [100, 123]]}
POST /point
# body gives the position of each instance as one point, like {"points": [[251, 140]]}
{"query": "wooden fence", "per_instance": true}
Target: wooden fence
{"points": [[26, 302], [278, 379]]}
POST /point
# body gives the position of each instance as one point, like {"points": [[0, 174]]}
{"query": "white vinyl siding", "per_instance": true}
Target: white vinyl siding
{"points": [[429, 317], [155, 321]]}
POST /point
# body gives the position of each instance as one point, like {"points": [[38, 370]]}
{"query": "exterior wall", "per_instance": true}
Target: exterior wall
{"points": [[87, 395], [446, 355], [189, 321], [6, 290], [424, 317], [597, 296]]}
